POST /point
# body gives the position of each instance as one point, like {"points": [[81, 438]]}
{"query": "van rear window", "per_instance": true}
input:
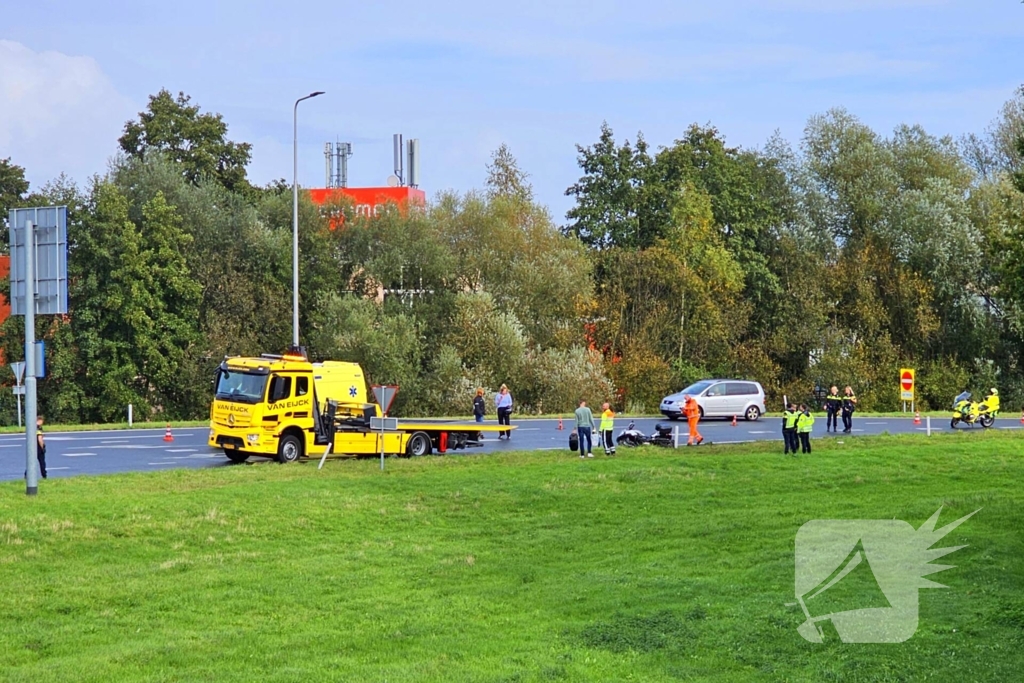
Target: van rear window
{"points": [[741, 389]]}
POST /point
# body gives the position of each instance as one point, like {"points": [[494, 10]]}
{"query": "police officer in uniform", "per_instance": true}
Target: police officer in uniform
{"points": [[832, 405], [849, 405], [804, 427], [789, 437]]}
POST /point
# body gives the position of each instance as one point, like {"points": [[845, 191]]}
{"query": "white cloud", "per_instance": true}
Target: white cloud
{"points": [[58, 113]]}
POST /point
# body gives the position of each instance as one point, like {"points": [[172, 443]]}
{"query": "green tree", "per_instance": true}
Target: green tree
{"points": [[613, 204], [13, 188], [747, 192], [1019, 175], [197, 143], [134, 306], [387, 346], [506, 179], [238, 253]]}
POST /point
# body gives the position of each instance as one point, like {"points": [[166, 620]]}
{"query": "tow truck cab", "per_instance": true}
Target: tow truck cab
{"points": [[283, 406]]}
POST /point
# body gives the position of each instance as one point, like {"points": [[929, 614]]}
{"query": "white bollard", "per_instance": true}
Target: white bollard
{"points": [[129, 414], [321, 465], [675, 436], [928, 424]]}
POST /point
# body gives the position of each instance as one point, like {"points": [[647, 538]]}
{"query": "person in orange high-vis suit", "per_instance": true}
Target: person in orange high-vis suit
{"points": [[692, 412]]}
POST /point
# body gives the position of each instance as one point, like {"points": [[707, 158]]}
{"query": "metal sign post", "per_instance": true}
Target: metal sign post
{"points": [[19, 371], [385, 395], [31, 475], [39, 285], [384, 424]]}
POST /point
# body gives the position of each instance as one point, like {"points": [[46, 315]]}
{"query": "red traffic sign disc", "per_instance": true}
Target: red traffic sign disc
{"points": [[907, 381]]}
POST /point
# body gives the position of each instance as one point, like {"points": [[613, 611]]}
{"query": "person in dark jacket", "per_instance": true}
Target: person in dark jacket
{"points": [[40, 446], [832, 405], [789, 437], [849, 405], [478, 405]]}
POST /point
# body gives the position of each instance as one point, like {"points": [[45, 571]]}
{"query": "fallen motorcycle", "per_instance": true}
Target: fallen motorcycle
{"points": [[972, 412], [631, 436]]}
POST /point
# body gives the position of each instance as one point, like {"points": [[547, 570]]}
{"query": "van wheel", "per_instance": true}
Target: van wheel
{"points": [[419, 444], [235, 455], [753, 413], [290, 449]]}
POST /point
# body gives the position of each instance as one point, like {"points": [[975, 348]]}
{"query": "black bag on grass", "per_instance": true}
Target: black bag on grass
{"points": [[574, 441]]}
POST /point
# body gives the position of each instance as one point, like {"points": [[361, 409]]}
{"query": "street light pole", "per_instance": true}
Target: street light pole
{"points": [[295, 216]]}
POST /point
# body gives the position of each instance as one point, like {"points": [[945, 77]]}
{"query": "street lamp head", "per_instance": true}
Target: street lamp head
{"points": [[318, 92]]}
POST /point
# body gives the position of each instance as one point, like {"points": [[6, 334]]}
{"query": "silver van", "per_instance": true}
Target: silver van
{"points": [[719, 398]]}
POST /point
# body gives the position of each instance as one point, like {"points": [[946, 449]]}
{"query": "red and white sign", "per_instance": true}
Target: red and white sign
{"points": [[906, 384]]}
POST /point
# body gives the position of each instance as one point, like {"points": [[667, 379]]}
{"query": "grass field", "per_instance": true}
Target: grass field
{"points": [[655, 565]]}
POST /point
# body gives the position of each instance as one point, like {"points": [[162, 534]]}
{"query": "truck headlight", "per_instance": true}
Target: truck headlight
{"points": [[252, 438]]}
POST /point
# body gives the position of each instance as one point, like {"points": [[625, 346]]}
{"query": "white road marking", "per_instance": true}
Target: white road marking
{"points": [[117, 441], [169, 462], [115, 433], [98, 438], [76, 455], [50, 469], [738, 441], [181, 450], [762, 433]]}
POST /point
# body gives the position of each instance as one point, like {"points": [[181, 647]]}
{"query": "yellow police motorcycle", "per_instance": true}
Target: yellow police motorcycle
{"points": [[971, 412]]}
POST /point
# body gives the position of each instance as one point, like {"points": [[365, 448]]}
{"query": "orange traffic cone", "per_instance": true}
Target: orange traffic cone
{"points": [[733, 420], [917, 418], [167, 434], [1022, 416], [560, 427]]}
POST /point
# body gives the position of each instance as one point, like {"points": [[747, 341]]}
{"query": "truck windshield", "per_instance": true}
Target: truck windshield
{"points": [[242, 387]]}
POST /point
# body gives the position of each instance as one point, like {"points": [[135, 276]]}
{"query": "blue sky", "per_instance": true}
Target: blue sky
{"points": [[463, 77]]}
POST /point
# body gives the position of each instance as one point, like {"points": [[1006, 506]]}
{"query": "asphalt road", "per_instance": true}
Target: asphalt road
{"points": [[106, 452]]}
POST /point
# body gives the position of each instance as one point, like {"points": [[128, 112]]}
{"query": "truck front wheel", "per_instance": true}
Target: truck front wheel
{"points": [[290, 449], [236, 456], [419, 444]]}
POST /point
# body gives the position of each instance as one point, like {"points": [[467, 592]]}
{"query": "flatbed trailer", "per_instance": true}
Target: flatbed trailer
{"points": [[412, 438]]}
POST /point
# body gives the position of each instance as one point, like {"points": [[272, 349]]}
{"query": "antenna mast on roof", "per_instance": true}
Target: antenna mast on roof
{"points": [[399, 158], [336, 156]]}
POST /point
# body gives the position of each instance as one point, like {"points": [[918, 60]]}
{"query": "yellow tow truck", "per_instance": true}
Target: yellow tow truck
{"points": [[286, 407]]}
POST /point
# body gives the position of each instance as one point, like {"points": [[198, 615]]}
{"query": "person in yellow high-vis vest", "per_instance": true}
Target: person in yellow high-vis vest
{"points": [[789, 437], [608, 429], [804, 427]]}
